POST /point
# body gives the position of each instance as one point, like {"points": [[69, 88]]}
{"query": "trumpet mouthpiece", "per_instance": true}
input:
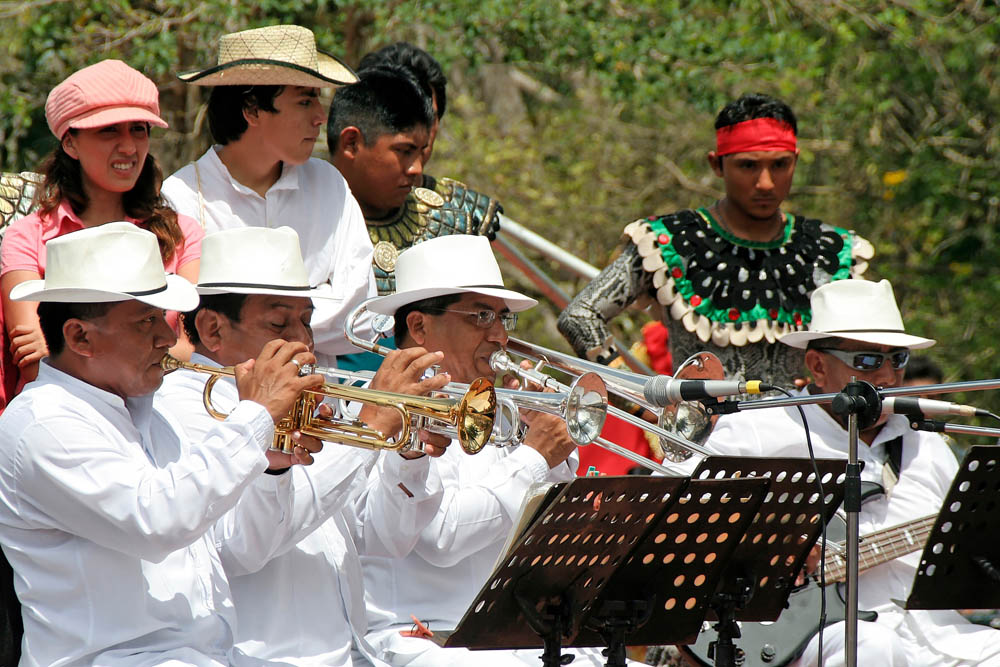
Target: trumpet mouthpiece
{"points": [[169, 363]]}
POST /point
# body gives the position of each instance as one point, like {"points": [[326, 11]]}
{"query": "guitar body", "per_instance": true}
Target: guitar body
{"points": [[778, 643]]}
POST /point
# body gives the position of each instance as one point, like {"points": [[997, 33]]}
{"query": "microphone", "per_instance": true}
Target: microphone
{"points": [[928, 407], [664, 390]]}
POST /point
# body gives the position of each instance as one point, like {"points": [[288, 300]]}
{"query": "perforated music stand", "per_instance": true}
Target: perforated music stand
{"points": [[662, 592], [546, 589], [761, 573], [960, 565]]}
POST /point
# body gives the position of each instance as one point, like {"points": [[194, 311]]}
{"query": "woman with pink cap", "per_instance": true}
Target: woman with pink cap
{"points": [[101, 172]]}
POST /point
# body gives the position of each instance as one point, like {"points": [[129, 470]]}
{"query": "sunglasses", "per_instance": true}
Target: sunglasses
{"points": [[863, 360]]}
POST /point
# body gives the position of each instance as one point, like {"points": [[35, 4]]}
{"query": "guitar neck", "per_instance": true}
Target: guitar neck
{"points": [[881, 547]]}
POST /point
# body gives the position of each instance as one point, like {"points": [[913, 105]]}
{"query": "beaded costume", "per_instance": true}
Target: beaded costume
{"points": [[716, 291], [443, 206], [17, 195]]}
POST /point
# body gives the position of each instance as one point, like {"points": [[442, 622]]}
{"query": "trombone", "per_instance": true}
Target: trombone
{"points": [[583, 407], [471, 415], [620, 382]]}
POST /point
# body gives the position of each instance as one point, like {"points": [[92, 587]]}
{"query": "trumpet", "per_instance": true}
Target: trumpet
{"points": [[583, 405], [583, 408], [471, 416]]}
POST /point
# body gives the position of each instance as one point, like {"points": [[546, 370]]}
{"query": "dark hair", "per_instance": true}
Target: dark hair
{"points": [[385, 100], [421, 64], [755, 105], [923, 368], [53, 315], [63, 179], [226, 105], [229, 305], [432, 304]]}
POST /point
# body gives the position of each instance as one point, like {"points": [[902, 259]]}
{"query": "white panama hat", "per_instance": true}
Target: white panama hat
{"points": [[277, 55], [856, 310], [254, 260], [455, 264], [116, 261]]}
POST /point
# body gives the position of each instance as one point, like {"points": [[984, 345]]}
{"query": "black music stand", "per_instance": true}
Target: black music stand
{"points": [[960, 565], [761, 573], [562, 568]]}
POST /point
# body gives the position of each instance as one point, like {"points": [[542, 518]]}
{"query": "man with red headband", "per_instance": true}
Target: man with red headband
{"points": [[732, 277]]}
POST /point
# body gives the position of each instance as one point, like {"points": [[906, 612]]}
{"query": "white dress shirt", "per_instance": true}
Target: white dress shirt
{"points": [[313, 199], [928, 466], [107, 516], [306, 605]]}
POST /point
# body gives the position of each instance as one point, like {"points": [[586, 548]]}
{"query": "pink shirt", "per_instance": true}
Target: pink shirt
{"points": [[24, 241], [24, 249]]}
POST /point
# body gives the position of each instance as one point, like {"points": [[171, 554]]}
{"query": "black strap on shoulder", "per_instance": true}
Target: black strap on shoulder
{"points": [[894, 454]]}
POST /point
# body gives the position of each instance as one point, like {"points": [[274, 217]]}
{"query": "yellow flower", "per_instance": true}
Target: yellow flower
{"points": [[893, 178]]}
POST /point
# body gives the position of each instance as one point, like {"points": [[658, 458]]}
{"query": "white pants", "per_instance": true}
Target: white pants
{"points": [[400, 651]]}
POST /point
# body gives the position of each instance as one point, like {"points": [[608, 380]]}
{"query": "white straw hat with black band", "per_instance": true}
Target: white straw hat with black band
{"points": [[254, 260], [455, 264], [278, 55], [116, 261], [860, 310]]}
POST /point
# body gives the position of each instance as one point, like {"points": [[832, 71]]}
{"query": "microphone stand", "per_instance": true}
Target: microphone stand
{"points": [[861, 404], [727, 407]]}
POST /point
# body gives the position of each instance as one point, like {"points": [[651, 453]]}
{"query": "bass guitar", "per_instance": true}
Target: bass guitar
{"points": [[780, 642]]}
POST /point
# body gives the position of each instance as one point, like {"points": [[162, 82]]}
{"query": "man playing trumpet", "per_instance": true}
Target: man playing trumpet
{"points": [[305, 606], [450, 297], [108, 513]]}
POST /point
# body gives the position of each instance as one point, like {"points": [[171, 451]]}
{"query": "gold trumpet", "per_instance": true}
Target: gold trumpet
{"points": [[470, 416]]}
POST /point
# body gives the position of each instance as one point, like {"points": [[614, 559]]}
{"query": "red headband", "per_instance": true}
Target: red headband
{"points": [[757, 134]]}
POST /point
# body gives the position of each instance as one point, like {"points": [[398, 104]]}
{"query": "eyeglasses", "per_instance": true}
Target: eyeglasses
{"points": [[863, 360], [485, 318]]}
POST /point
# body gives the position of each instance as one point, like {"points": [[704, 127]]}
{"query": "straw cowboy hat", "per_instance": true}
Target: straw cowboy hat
{"points": [[455, 264], [116, 261], [254, 260], [856, 310], [277, 55]]}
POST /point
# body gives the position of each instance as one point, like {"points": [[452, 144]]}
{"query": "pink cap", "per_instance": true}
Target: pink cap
{"points": [[105, 93]]}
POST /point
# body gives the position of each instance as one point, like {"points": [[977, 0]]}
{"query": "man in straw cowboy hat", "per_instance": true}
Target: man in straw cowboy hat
{"points": [[305, 606], [108, 514], [265, 116], [451, 297], [857, 331]]}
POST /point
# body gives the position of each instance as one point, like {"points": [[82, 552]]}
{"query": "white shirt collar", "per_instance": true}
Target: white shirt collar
{"points": [[289, 179]]}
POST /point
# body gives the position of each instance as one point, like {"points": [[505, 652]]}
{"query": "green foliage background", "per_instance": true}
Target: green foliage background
{"points": [[581, 116]]}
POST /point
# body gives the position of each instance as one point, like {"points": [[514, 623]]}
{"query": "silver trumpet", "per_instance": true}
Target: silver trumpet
{"points": [[583, 405]]}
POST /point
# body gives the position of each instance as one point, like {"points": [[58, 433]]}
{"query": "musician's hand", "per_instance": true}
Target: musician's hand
{"points": [[272, 379], [513, 382], [547, 435], [434, 445], [402, 372], [305, 447], [810, 566]]}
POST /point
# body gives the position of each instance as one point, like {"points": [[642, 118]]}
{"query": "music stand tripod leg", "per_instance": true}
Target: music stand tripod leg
{"points": [[550, 624], [723, 651]]}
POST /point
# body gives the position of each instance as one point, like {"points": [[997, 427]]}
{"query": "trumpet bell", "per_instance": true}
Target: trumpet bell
{"points": [[476, 414]]}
